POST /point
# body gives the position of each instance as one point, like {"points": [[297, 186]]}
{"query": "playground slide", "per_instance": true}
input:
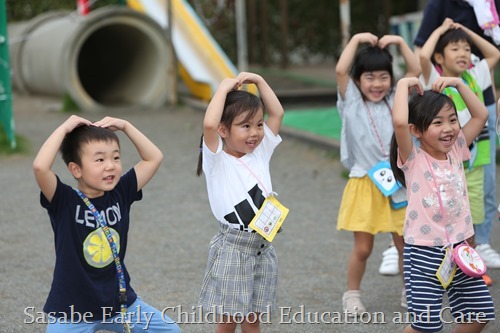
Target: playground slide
{"points": [[202, 63]]}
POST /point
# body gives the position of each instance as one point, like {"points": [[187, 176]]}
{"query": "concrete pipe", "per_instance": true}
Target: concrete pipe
{"points": [[113, 57]]}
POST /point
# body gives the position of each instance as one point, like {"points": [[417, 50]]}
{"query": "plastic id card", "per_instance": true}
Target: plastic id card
{"points": [[381, 174], [269, 218], [447, 269], [398, 199]]}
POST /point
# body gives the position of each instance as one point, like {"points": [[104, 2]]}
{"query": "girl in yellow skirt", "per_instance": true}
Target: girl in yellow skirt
{"points": [[365, 97]]}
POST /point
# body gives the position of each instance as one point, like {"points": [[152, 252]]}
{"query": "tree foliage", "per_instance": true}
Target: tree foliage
{"points": [[313, 26], [21, 10]]}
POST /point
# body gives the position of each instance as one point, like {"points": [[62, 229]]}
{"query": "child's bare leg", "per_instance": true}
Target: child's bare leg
{"points": [[472, 241], [400, 244], [363, 245], [228, 325], [251, 324], [409, 329], [474, 327]]}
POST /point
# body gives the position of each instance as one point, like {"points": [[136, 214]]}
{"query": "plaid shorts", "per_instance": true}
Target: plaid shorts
{"points": [[241, 274]]}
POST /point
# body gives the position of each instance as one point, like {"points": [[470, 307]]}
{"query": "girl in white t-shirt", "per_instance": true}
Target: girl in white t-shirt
{"points": [[438, 213], [237, 144]]}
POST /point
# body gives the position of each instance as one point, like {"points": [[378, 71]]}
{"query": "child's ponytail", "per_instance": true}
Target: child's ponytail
{"points": [[199, 169], [393, 159]]}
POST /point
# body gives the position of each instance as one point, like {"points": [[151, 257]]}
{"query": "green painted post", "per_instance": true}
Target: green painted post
{"points": [[6, 117]]}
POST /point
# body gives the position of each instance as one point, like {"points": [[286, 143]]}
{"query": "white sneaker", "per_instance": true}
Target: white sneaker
{"points": [[390, 262], [490, 257]]}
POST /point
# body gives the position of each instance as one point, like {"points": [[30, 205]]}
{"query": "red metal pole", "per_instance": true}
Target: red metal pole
{"points": [[83, 7]]}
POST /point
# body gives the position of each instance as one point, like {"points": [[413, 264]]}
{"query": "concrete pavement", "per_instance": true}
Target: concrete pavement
{"points": [[172, 226]]}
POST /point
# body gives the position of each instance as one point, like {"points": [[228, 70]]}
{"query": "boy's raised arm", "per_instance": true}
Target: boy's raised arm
{"points": [[478, 112], [426, 53], [489, 51], [44, 160]]}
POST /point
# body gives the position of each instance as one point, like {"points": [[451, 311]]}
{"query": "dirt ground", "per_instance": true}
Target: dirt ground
{"points": [[171, 228]]}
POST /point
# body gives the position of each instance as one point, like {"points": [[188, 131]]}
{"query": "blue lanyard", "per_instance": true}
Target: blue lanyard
{"points": [[119, 271]]}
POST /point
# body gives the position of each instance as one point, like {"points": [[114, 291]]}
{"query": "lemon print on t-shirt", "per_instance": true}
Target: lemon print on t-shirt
{"points": [[96, 249]]}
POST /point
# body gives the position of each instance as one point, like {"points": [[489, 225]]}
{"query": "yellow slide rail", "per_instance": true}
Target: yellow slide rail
{"points": [[214, 60]]}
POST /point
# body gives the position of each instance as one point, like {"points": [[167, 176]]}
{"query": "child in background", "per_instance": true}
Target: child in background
{"points": [[365, 99], [463, 12], [237, 144], [86, 275], [497, 128], [449, 47], [438, 214]]}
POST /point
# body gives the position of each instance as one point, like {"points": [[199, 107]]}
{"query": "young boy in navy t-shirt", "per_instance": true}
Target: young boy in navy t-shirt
{"points": [[91, 286]]}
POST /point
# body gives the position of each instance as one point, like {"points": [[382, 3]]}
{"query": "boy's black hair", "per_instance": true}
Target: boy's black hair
{"points": [[451, 36], [71, 147], [422, 109], [237, 102], [370, 59]]}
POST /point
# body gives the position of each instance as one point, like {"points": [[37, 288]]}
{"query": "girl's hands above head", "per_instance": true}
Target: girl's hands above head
{"points": [[229, 84], [390, 39], [441, 83], [114, 124], [246, 78], [412, 84], [366, 37]]}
